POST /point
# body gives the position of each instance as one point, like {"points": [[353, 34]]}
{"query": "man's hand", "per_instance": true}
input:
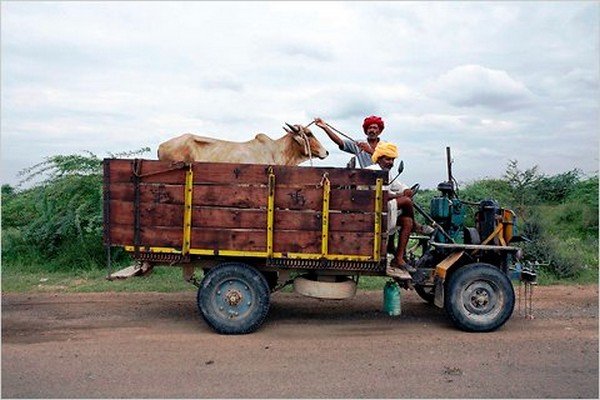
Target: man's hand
{"points": [[408, 193], [366, 147], [323, 125], [320, 123]]}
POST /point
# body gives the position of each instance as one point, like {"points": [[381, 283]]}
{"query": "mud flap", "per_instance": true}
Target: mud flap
{"points": [[438, 300], [440, 276]]}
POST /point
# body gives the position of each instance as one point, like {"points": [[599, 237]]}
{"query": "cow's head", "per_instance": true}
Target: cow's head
{"points": [[305, 138]]}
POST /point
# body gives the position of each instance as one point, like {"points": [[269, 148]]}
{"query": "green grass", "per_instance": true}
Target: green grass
{"points": [[36, 279], [169, 279], [162, 279]]}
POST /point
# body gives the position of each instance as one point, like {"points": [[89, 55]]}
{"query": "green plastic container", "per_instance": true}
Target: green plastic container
{"points": [[391, 299]]}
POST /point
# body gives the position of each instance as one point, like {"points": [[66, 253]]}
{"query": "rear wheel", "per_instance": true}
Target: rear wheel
{"points": [[233, 298], [479, 298]]}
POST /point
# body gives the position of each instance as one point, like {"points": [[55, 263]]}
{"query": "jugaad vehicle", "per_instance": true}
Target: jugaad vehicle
{"points": [[254, 229]]}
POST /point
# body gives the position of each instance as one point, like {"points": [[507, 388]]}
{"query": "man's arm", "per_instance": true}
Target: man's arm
{"points": [[323, 125]]}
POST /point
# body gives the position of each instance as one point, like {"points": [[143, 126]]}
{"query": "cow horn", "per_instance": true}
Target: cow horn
{"points": [[286, 129], [293, 128]]}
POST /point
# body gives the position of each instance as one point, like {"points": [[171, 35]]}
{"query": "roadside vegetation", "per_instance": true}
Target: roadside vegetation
{"points": [[52, 230]]}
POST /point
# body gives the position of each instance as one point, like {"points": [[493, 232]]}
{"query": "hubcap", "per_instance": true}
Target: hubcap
{"points": [[233, 298], [480, 297]]}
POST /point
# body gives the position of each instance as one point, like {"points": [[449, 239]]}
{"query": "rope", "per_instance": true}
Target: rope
{"points": [[307, 146], [341, 133]]}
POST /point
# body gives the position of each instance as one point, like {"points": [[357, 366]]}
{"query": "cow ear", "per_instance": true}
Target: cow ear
{"points": [[298, 138]]}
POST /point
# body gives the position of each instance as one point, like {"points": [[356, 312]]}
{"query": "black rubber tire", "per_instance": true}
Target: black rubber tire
{"points": [[233, 298], [271, 277], [479, 298], [426, 293]]}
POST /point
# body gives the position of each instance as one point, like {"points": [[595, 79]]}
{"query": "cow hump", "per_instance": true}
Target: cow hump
{"points": [[261, 137]]}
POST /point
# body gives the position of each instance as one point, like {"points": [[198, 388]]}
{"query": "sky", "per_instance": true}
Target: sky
{"points": [[495, 81]]}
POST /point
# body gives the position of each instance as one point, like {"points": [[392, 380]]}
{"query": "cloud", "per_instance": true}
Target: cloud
{"points": [[474, 85], [308, 50], [119, 76]]}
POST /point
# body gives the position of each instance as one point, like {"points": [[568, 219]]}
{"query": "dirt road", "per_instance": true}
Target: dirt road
{"points": [[156, 345]]}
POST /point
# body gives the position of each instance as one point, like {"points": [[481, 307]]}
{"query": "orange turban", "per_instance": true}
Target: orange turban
{"points": [[385, 149], [373, 120]]}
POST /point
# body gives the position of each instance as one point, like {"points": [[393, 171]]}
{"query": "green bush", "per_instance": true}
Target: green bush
{"points": [[58, 222]]}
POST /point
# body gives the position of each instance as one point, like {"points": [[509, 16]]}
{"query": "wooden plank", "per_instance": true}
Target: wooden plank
{"points": [[155, 171], [350, 243], [235, 174], [151, 171], [149, 193], [284, 175], [296, 198], [121, 234], [284, 220], [149, 236], [230, 196], [229, 239], [337, 176], [306, 198], [203, 195], [152, 214]]}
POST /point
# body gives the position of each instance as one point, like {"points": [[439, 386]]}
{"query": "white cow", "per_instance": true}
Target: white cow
{"points": [[295, 147]]}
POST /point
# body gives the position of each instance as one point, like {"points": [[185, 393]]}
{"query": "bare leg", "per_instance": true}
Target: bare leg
{"points": [[406, 225]]}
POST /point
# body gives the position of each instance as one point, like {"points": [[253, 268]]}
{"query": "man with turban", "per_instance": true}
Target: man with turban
{"points": [[400, 209], [372, 126]]}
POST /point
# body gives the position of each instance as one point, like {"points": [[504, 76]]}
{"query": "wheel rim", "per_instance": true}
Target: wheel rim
{"points": [[233, 299], [482, 299]]}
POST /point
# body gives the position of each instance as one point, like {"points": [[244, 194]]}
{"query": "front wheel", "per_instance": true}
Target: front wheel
{"points": [[233, 298], [479, 298]]}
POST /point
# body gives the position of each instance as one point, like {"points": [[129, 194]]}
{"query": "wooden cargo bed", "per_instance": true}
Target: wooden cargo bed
{"points": [[245, 210]]}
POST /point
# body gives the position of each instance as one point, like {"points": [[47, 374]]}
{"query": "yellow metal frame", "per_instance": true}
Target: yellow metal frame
{"points": [[257, 254], [325, 217], [187, 228], [378, 216], [187, 211], [270, 212]]}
